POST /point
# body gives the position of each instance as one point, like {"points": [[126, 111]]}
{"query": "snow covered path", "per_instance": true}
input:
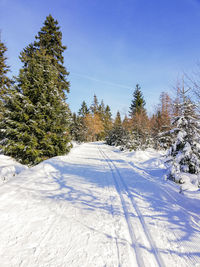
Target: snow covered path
{"points": [[95, 207]]}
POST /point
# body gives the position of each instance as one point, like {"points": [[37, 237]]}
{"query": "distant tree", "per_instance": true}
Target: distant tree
{"points": [[138, 103], [84, 110], [118, 136], [78, 128], [107, 120], [126, 123], [139, 121], [95, 105], [166, 111], [94, 126], [140, 130], [101, 110], [160, 123]]}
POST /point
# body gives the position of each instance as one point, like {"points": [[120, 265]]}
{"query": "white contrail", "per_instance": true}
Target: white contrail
{"points": [[96, 80]]}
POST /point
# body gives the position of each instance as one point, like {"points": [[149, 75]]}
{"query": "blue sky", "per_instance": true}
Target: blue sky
{"points": [[112, 44]]}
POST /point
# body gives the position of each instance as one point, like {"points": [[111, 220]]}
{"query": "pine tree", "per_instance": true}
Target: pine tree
{"points": [[36, 121], [185, 151], [5, 81], [138, 103]]}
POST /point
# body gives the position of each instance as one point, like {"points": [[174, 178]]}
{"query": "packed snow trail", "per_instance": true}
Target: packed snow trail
{"points": [[121, 186], [95, 208]]}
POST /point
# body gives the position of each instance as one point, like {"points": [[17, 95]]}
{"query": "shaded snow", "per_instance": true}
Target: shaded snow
{"points": [[98, 206]]}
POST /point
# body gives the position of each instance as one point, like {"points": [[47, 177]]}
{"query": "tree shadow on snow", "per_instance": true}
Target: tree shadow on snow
{"points": [[96, 184]]}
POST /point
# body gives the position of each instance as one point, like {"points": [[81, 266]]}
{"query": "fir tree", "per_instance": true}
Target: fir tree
{"points": [[138, 103]]}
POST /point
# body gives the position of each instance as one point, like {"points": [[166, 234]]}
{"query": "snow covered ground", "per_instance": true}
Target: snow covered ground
{"points": [[9, 168], [97, 206]]}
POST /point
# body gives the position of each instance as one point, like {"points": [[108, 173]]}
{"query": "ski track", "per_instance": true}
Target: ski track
{"points": [[120, 186], [193, 260], [120, 253], [79, 210], [114, 232]]}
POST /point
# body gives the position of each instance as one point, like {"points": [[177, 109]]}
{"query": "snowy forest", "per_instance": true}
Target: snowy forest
{"points": [[36, 122]]}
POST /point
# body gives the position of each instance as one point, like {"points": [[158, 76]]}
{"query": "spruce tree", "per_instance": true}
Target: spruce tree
{"points": [[185, 151], [5, 81], [107, 121], [78, 129], [78, 126], [95, 105], [49, 39], [138, 103], [84, 110], [36, 121], [118, 136], [139, 121]]}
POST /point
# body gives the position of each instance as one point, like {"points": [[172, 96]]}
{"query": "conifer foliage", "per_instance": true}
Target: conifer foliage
{"points": [[91, 124], [49, 39], [185, 151], [36, 120], [118, 136], [5, 82], [139, 120], [138, 102]]}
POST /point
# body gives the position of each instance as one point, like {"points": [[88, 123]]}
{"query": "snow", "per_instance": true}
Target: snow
{"points": [[9, 168], [97, 206]]}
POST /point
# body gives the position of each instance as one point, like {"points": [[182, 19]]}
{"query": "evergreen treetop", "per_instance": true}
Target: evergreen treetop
{"points": [[84, 110], [49, 39], [95, 105], [138, 103]]}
